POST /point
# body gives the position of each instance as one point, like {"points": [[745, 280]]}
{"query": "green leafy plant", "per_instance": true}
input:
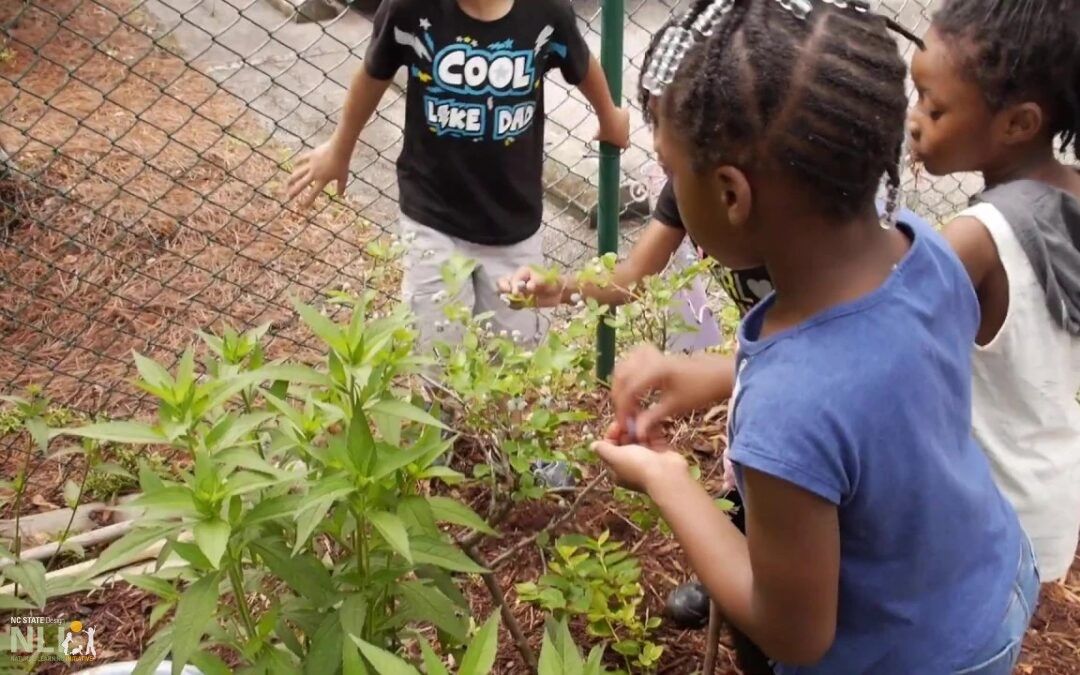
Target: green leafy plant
{"points": [[598, 580], [305, 501], [559, 655]]}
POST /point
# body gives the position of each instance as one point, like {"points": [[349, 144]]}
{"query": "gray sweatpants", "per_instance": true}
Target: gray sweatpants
{"points": [[428, 250]]}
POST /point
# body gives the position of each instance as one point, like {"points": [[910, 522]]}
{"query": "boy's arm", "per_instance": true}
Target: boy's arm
{"points": [[363, 98], [650, 255], [614, 121], [329, 162]]}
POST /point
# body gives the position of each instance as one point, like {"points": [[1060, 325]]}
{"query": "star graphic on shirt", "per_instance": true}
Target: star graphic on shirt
{"points": [[425, 24]]}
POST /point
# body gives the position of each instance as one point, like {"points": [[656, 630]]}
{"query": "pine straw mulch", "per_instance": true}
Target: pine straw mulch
{"points": [[142, 202]]}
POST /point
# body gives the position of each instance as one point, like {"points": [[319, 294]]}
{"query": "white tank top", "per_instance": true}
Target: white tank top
{"points": [[1026, 414]]}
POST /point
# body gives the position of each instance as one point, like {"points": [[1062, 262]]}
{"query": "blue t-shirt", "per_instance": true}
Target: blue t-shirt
{"points": [[868, 406]]}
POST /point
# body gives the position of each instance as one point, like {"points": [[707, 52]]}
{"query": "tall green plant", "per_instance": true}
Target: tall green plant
{"points": [[302, 523]]}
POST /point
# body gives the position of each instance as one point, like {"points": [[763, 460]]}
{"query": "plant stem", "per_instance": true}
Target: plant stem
{"points": [[236, 577], [552, 524], [712, 643], [512, 625]]}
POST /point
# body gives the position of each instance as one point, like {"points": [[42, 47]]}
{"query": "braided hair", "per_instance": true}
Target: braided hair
{"points": [[1021, 49], [819, 95]]}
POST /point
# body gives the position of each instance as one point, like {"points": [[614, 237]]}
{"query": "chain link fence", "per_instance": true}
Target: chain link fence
{"points": [[144, 146]]}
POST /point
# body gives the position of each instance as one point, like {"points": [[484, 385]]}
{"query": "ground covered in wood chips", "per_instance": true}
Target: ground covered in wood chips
{"points": [[145, 204]]}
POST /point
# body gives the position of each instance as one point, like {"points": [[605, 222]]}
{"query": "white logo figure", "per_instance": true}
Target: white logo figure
{"points": [[65, 643], [90, 648]]}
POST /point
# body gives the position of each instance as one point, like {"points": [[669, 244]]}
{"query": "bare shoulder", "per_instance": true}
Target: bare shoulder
{"points": [[974, 245]]}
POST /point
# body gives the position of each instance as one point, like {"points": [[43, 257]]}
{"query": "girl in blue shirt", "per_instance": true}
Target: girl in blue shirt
{"points": [[876, 541]]}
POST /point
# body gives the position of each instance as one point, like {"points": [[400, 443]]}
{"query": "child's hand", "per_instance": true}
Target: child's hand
{"points": [[615, 128], [638, 468], [526, 284], [318, 168], [684, 384]]}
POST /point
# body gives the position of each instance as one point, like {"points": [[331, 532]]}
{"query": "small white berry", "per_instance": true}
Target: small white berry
{"points": [[575, 298], [502, 333], [516, 334]]}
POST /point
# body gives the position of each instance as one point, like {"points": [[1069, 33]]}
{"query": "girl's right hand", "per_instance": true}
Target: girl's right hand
{"points": [[317, 168], [684, 384], [527, 283]]}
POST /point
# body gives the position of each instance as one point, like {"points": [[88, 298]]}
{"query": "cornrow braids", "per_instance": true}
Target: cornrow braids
{"points": [[1019, 49], [813, 87]]}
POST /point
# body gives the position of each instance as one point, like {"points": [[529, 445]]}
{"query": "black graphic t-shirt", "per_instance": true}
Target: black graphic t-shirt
{"points": [[746, 288], [472, 156]]}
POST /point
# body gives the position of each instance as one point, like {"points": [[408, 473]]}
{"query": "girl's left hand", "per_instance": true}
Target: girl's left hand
{"points": [[638, 468]]}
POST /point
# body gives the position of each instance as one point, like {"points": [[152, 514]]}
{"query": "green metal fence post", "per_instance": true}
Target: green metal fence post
{"points": [[611, 57]]}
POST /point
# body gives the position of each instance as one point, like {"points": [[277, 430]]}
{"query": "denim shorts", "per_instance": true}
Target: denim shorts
{"points": [[1003, 651]]}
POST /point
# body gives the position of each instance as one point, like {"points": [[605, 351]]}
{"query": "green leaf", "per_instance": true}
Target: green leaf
{"points": [[431, 551], [594, 666], [480, 657], [351, 662], [452, 511], [192, 554], [627, 647], [72, 492], [309, 519], [125, 548], [353, 614], [208, 664], [169, 502], [323, 328], [393, 532], [30, 575], [558, 653], [132, 433], [389, 428], [417, 516], [305, 574], [432, 664], [153, 373], [426, 603], [39, 432], [212, 536], [112, 469], [391, 458], [156, 585], [11, 602], [231, 429], [194, 613], [154, 654], [274, 508], [159, 611], [324, 655], [360, 444], [405, 411], [383, 661]]}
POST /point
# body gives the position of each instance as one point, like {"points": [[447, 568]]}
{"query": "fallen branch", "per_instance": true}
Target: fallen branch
{"points": [[554, 523], [496, 592]]}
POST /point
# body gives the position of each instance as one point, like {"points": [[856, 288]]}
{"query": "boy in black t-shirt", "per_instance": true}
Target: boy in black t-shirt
{"points": [[470, 167]]}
